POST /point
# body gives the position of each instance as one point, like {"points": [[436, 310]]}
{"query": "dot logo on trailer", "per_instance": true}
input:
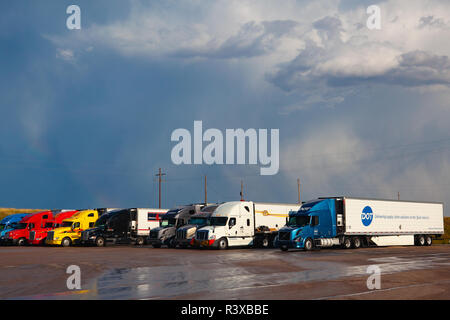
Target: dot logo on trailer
{"points": [[367, 216]]}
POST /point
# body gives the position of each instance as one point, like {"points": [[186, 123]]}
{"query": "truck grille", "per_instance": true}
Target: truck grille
{"points": [[153, 234], [50, 235], [202, 235], [85, 235], [32, 235], [284, 235], [181, 234]]}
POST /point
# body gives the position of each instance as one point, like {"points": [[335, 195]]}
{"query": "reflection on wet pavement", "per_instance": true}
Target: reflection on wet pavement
{"points": [[220, 276]]}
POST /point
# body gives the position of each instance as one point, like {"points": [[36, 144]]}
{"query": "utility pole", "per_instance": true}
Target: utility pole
{"points": [[206, 192], [398, 195], [298, 189], [159, 175], [242, 190]]}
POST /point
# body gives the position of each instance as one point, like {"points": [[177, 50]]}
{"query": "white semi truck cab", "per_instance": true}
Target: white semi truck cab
{"points": [[244, 223]]}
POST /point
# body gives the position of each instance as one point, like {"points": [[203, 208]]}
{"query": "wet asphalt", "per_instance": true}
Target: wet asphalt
{"points": [[129, 272]]}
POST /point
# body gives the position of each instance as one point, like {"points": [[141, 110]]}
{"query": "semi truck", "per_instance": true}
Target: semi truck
{"points": [[32, 222], [69, 232], [185, 235], [356, 222], [8, 223], [38, 234], [123, 226], [173, 219], [244, 223]]}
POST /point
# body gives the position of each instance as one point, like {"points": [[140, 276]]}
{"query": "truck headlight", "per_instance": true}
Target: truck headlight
{"points": [[298, 239], [212, 237], [56, 238]]}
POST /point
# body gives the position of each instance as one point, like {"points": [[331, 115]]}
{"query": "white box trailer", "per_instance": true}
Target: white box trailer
{"points": [[392, 217], [146, 219], [393, 222]]}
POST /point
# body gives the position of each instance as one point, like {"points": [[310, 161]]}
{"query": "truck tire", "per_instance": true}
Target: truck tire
{"points": [[100, 242], [309, 244], [428, 241], [156, 245], [222, 244], [347, 243], [66, 242], [420, 240], [356, 242], [171, 244], [265, 243], [21, 242], [140, 241], [284, 248]]}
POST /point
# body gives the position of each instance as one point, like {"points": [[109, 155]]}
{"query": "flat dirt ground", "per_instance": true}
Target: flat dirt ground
{"points": [[130, 272]]}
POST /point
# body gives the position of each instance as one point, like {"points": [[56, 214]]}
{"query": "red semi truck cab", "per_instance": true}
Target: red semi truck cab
{"points": [[34, 221], [38, 234]]}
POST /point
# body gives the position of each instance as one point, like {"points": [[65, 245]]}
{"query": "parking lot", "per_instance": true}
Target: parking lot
{"points": [[129, 272]]}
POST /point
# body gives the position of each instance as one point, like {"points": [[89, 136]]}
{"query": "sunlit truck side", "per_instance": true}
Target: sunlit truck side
{"points": [[356, 222], [69, 232], [122, 226], [9, 223], [244, 223], [38, 234]]}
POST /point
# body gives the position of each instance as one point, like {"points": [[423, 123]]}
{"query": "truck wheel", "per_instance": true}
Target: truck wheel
{"points": [[172, 244], [21, 242], [284, 248], [223, 244], [420, 240], [265, 243], [347, 244], [309, 244], [356, 242], [156, 245], [66, 242], [139, 241], [100, 242], [428, 240]]}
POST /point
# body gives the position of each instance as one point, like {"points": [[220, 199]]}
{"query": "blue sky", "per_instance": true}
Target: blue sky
{"points": [[86, 115]]}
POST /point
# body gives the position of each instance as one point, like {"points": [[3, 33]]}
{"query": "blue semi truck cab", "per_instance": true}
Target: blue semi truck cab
{"points": [[315, 220], [7, 224]]}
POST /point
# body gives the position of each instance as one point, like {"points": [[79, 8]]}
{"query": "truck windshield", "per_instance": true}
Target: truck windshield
{"points": [[19, 225], [101, 221], [198, 221], [66, 224], [298, 221], [218, 221], [168, 222]]}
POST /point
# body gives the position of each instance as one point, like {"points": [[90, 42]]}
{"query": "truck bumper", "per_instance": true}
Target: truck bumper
{"points": [[53, 242], [289, 244], [157, 242], [184, 242], [36, 242], [208, 243]]}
